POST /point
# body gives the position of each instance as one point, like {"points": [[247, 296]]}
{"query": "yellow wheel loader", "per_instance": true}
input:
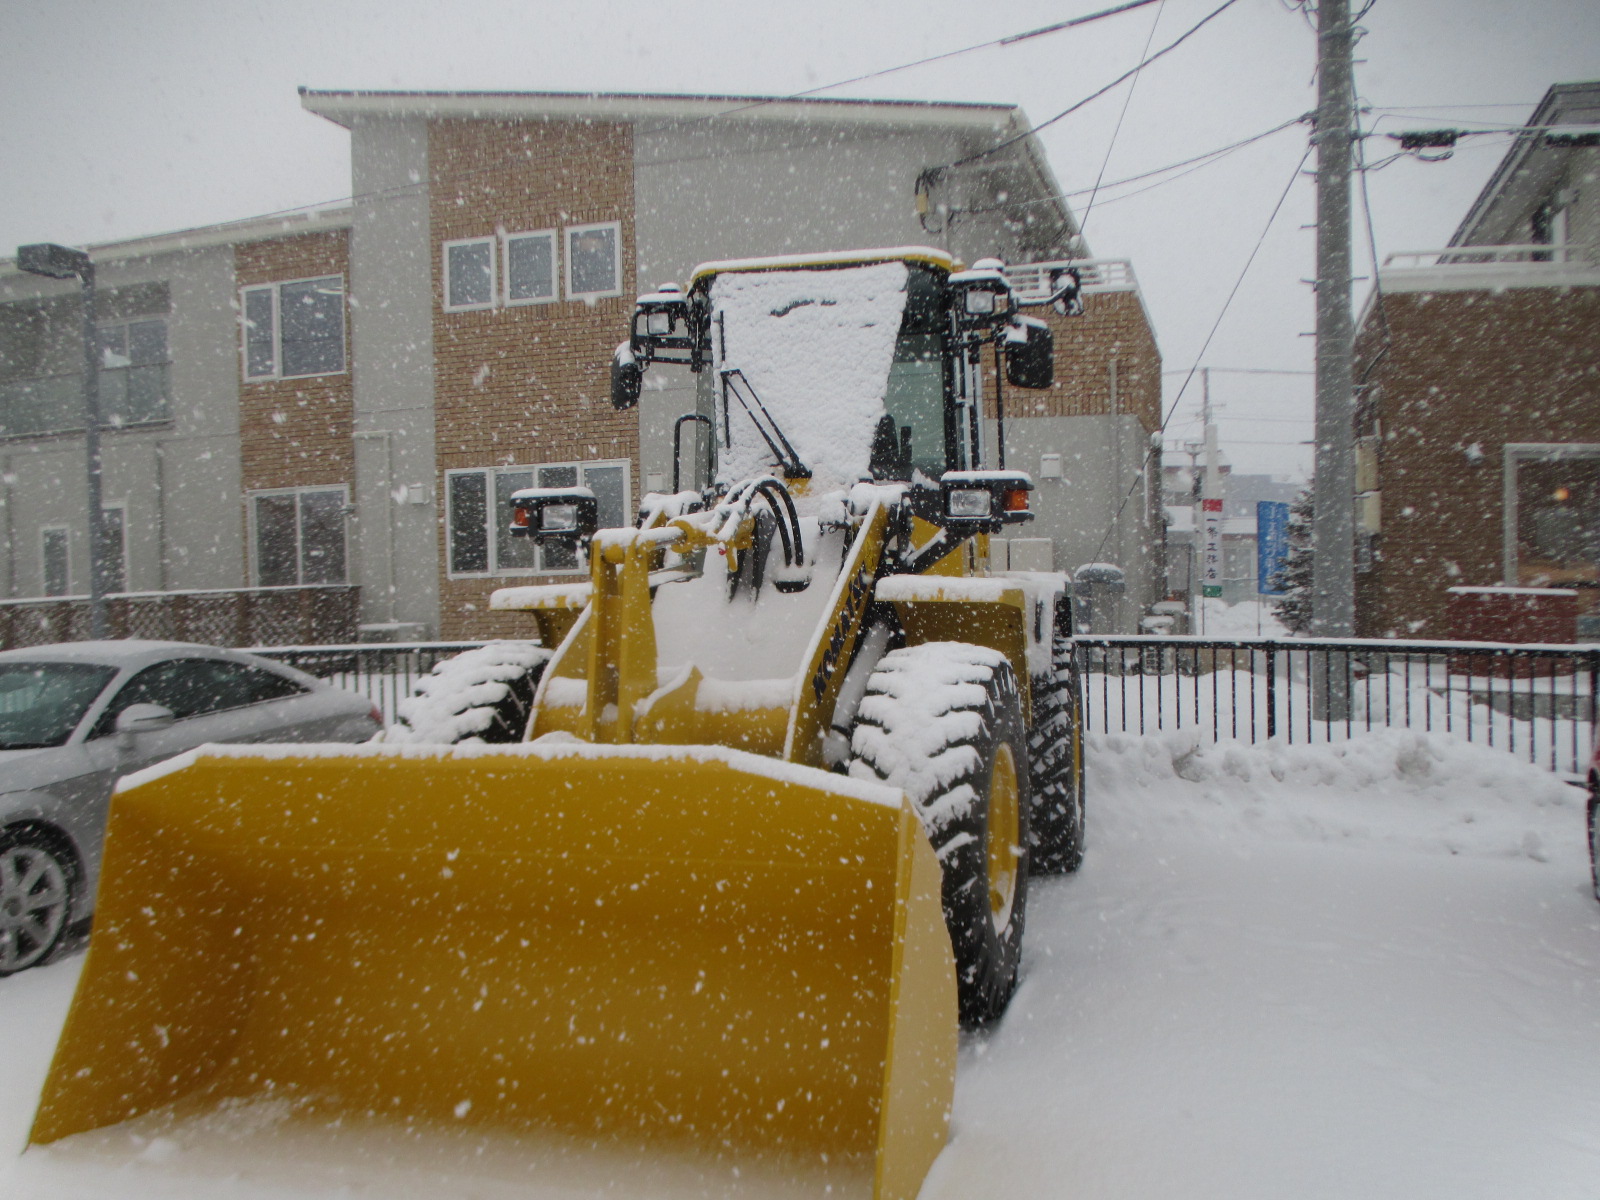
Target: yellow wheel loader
{"points": [[763, 836]]}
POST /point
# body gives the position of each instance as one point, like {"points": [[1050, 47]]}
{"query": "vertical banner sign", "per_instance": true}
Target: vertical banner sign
{"points": [[1211, 554], [1272, 545]]}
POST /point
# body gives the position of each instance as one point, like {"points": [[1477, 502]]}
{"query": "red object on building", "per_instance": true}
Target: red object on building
{"points": [[1510, 614]]}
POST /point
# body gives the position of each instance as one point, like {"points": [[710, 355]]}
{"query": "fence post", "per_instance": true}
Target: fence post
{"points": [[1272, 691]]}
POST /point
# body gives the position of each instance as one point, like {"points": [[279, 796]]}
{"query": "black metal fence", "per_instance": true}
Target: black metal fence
{"points": [[1538, 702], [385, 673]]}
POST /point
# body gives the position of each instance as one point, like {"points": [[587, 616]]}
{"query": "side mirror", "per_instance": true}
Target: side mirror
{"points": [[627, 378], [141, 718], [1030, 354]]}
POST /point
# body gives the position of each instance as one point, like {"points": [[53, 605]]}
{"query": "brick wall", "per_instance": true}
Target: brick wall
{"points": [[296, 432], [1457, 372], [525, 384], [1112, 326]]}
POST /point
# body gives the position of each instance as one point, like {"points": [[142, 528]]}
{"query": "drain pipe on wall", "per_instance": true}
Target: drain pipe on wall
{"points": [[388, 509]]}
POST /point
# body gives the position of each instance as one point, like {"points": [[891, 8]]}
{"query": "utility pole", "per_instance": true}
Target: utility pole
{"points": [[1210, 504], [1333, 525]]}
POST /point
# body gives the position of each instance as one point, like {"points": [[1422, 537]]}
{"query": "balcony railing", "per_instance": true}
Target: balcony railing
{"points": [[1031, 281], [54, 403], [1462, 268], [1530, 252], [270, 616]]}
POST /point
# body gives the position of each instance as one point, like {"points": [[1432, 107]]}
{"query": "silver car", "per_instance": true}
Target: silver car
{"points": [[75, 717]]}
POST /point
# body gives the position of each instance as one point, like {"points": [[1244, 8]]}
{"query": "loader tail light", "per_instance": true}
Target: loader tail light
{"points": [[1016, 500]]}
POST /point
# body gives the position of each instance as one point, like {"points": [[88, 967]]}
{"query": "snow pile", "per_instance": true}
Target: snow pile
{"points": [[458, 700], [759, 636], [817, 347], [1458, 798], [1246, 619]]}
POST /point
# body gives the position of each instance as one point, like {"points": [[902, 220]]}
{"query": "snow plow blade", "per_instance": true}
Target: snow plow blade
{"points": [[683, 945]]}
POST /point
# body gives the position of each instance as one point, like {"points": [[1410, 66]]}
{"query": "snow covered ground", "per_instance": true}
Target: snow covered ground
{"points": [[1370, 969]]}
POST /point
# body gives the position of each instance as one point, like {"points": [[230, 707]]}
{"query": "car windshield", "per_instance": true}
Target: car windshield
{"points": [[42, 703]]}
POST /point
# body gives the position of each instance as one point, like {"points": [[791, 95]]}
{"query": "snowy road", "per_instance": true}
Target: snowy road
{"points": [[1365, 971]]}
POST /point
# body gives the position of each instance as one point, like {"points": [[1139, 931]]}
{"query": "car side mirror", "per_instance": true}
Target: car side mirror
{"points": [[141, 718]]}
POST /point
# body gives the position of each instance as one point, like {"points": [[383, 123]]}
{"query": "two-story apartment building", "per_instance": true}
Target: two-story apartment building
{"points": [[1479, 411], [342, 401]]}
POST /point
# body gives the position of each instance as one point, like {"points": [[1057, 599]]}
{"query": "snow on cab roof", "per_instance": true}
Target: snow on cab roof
{"points": [[926, 255]]}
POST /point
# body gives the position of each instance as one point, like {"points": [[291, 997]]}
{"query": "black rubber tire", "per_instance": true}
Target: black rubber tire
{"points": [[38, 882], [939, 741], [1055, 760], [481, 695]]}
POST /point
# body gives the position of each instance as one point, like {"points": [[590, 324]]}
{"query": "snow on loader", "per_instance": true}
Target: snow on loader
{"points": [[780, 772]]}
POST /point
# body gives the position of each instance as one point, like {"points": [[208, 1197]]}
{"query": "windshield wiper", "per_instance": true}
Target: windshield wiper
{"points": [[788, 460]]}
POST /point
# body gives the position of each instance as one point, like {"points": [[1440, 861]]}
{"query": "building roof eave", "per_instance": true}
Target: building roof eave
{"points": [[1526, 154], [346, 107]]}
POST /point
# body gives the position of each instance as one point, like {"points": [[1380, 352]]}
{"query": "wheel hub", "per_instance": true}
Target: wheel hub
{"points": [[1005, 830], [34, 897]]}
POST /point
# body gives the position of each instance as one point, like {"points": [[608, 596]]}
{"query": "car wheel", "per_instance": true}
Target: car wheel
{"points": [[37, 880], [943, 722]]}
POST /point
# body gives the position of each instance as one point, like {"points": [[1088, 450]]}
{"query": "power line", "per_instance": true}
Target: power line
{"points": [[1009, 39], [1215, 325], [1083, 222], [1095, 95], [1198, 158], [1197, 162], [1242, 371]]}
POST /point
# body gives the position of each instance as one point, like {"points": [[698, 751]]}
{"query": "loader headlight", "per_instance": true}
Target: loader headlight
{"points": [[980, 303], [970, 502], [558, 518], [565, 516], [658, 323]]}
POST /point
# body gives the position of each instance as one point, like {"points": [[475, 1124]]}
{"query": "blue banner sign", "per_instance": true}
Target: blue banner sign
{"points": [[1272, 544]]}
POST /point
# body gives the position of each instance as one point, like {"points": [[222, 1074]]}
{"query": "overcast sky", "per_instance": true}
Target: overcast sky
{"points": [[120, 118]]}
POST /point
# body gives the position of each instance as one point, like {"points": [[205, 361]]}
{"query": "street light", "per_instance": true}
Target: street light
{"points": [[63, 262]]}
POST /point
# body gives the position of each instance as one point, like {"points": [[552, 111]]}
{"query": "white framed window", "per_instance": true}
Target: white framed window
{"points": [[133, 371], [297, 535], [293, 329], [54, 555], [114, 534], [478, 503], [469, 276], [594, 260], [530, 267]]}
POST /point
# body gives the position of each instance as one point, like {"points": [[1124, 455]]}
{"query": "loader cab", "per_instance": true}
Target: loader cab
{"points": [[932, 402]]}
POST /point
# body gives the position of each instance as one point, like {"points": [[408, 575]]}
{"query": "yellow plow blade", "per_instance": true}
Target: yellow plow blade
{"points": [[686, 944]]}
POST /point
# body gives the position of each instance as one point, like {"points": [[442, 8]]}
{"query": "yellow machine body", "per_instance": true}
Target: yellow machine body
{"points": [[657, 917]]}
